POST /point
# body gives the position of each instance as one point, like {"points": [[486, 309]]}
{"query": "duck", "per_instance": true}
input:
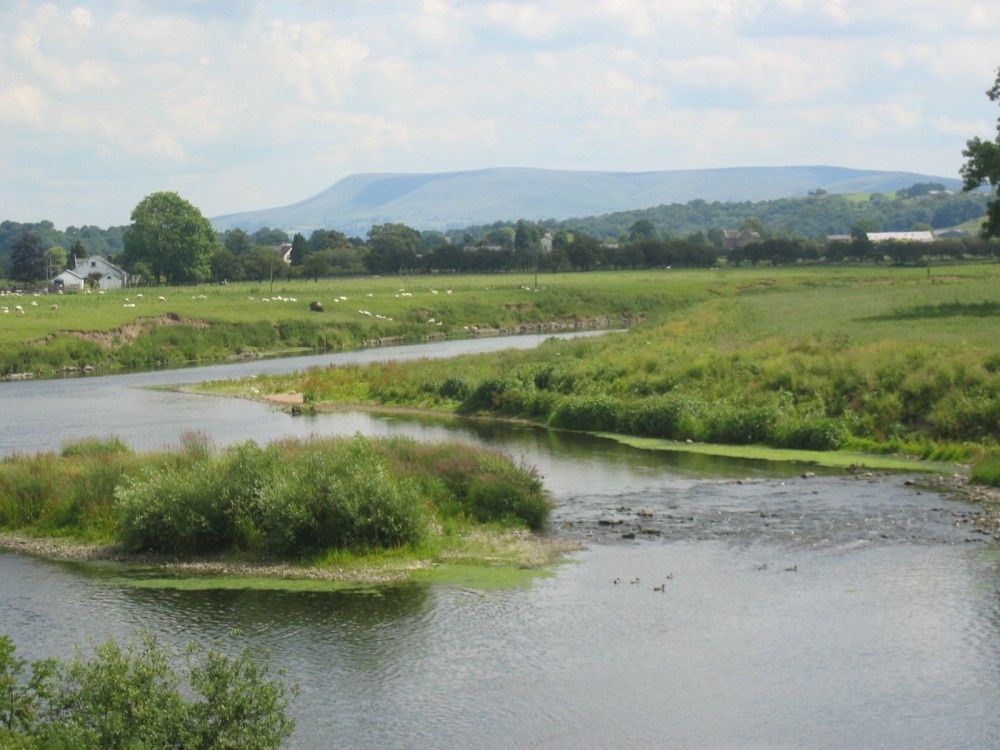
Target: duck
{"points": [[661, 587]]}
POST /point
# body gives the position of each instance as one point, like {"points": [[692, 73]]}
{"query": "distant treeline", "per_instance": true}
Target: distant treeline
{"points": [[813, 217], [691, 234]]}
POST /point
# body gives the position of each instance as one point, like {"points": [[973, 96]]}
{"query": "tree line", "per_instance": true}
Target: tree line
{"points": [[169, 241]]}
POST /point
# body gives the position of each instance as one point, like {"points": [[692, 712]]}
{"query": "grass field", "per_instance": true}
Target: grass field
{"points": [[891, 360]]}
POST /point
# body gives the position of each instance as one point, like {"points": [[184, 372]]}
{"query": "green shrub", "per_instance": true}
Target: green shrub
{"points": [[987, 471], [595, 413], [345, 498], [101, 448], [505, 496], [176, 510], [131, 698], [454, 388], [671, 417], [821, 434], [487, 396], [735, 425]]}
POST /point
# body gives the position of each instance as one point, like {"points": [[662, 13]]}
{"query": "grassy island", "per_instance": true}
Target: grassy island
{"points": [[351, 509]]}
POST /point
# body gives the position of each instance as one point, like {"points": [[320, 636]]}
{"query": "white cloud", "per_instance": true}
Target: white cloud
{"points": [[250, 104]]}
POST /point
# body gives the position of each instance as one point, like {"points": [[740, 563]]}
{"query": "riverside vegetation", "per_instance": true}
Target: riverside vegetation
{"points": [[883, 361], [343, 506]]}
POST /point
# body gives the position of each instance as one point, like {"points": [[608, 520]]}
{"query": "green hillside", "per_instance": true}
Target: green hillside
{"points": [[449, 200]]}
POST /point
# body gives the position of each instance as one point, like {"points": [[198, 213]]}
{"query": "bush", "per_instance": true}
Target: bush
{"points": [[345, 498], [741, 426], [670, 417], [821, 434], [131, 698], [487, 396], [176, 510], [987, 471], [595, 413]]}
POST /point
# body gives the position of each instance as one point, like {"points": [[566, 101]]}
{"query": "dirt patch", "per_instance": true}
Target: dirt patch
{"points": [[129, 332], [520, 548]]}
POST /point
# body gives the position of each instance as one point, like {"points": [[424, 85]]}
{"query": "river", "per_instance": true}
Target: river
{"points": [[823, 611]]}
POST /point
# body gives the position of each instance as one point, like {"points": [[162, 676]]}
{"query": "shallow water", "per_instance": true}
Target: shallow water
{"points": [[824, 612]]}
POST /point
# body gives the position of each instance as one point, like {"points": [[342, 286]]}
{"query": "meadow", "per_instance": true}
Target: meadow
{"points": [[147, 328], [877, 359]]}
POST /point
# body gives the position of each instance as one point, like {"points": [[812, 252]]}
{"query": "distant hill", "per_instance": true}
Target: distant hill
{"points": [[448, 200]]}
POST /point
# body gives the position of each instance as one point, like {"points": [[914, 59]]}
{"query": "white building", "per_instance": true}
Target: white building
{"points": [[105, 274]]}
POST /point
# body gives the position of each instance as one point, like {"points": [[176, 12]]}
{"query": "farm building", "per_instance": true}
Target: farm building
{"points": [[105, 274], [901, 236]]}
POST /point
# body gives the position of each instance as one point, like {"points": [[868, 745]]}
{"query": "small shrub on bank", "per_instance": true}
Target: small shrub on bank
{"points": [[987, 471], [821, 434], [596, 413]]}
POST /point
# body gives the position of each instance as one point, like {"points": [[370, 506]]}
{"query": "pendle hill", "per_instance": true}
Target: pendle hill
{"points": [[449, 200]]}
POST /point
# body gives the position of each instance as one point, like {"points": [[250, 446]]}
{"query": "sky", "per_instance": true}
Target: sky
{"points": [[239, 105]]}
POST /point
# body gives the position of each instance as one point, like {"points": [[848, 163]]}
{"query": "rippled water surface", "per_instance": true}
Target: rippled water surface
{"points": [[823, 612]]}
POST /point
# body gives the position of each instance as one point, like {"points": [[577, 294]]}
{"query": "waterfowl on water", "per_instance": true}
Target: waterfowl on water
{"points": [[661, 587]]}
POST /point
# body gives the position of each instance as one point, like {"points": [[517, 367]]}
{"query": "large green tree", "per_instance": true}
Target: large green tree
{"points": [[392, 248], [28, 258], [171, 238], [982, 166]]}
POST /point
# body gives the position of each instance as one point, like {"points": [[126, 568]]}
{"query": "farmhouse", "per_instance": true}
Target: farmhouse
{"points": [[901, 236], [734, 238], [103, 273]]}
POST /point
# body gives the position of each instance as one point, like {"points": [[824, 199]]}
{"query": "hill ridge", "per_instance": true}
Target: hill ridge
{"points": [[456, 199]]}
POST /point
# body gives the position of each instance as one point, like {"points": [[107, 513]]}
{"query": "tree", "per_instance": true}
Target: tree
{"points": [[392, 248], [55, 261], [983, 166], [268, 236], [643, 229], [226, 265], [237, 241], [27, 258], [299, 249], [171, 237], [316, 265]]}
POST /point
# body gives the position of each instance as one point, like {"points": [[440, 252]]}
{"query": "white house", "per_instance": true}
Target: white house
{"points": [[901, 236], [105, 273]]}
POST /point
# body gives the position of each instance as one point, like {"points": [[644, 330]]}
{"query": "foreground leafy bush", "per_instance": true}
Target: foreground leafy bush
{"points": [[132, 698]]}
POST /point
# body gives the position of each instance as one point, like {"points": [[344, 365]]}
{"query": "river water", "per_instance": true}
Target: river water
{"points": [[823, 611]]}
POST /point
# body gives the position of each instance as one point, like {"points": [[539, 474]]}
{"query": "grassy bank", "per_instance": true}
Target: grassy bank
{"points": [[134, 328], [349, 505], [891, 361]]}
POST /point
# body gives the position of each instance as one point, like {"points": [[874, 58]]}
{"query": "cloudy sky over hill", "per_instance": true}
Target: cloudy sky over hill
{"points": [[242, 105]]}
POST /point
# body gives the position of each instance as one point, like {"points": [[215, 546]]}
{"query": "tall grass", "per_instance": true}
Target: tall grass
{"points": [[285, 500], [813, 359]]}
